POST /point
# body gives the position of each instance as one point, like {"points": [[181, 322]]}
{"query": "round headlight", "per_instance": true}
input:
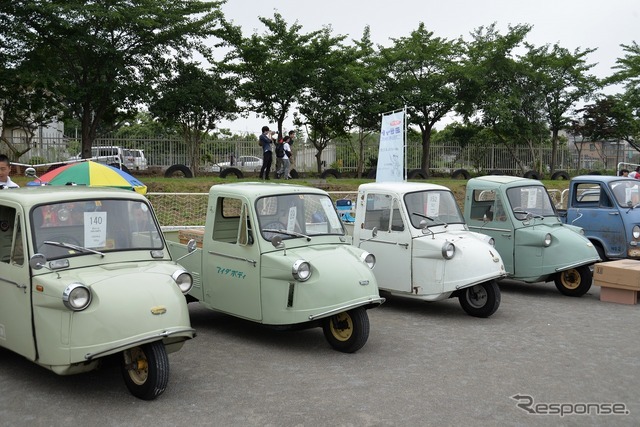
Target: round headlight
{"points": [[183, 280], [547, 239], [301, 270], [369, 259], [636, 232], [448, 250], [76, 297]]}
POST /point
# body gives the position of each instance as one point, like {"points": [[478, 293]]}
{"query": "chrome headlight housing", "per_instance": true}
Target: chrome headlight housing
{"points": [[183, 279], [547, 240], [448, 250], [76, 297], [301, 270], [369, 259], [636, 232]]}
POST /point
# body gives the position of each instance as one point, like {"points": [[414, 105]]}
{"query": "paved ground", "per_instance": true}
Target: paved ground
{"points": [[424, 364]]}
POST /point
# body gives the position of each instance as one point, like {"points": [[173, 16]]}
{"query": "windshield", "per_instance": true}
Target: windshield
{"points": [[434, 206], [626, 192], [96, 225], [297, 215], [532, 199]]}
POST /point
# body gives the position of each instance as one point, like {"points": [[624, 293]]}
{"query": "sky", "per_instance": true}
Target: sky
{"points": [[572, 24]]}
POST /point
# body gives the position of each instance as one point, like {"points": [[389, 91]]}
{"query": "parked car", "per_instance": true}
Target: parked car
{"points": [[134, 159], [243, 163]]}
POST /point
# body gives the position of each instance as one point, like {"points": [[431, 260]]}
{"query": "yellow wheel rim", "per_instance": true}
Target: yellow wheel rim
{"points": [[341, 326]]}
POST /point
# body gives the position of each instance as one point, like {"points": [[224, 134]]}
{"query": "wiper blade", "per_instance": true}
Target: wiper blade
{"points": [[437, 220], [74, 247], [288, 233]]}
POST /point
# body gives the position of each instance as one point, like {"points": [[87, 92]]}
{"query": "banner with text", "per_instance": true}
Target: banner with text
{"points": [[391, 151]]}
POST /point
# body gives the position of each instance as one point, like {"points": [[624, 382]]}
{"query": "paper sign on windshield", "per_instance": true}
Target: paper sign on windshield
{"points": [[95, 229]]}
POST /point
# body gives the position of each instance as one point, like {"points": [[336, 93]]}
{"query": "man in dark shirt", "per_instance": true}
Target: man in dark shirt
{"points": [[267, 152]]}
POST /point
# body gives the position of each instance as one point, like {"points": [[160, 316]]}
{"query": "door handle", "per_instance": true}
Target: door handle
{"points": [[614, 213], [506, 235]]}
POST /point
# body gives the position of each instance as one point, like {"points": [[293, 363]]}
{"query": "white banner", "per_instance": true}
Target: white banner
{"points": [[391, 151]]}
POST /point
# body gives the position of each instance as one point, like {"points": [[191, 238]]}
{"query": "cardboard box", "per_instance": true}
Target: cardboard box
{"points": [[620, 296], [193, 233], [620, 274]]}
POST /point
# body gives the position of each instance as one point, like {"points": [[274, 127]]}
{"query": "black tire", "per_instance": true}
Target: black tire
{"points": [[120, 166], [496, 172], [333, 173], [231, 171], [294, 174], [347, 331], [371, 174], [178, 171], [416, 174], [480, 300], [146, 370], [560, 175], [594, 173], [574, 282], [460, 174], [533, 175]]}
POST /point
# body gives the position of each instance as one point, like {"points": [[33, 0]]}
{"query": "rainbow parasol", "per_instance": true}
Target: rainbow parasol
{"points": [[92, 174]]}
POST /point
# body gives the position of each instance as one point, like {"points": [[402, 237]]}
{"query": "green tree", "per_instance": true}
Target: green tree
{"points": [[502, 93], [274, 68], [423, 72], [561, 78], [194, 101], [102, 58]]}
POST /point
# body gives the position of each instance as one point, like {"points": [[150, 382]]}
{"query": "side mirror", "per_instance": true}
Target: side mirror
{"points": [[191, 245], [37, 261], [277, 243], [30, 173]]}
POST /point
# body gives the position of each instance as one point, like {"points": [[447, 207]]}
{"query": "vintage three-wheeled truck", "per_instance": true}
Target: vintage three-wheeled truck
{"points": [[85, 274], [424, 249], [277, 254]]}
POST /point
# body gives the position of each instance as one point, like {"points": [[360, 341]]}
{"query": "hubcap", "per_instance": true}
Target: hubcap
{"points": [[138, 366], [477, 296], [570, 279], [341, 326]]}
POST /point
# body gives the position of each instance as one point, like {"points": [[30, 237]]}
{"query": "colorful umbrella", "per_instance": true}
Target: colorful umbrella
{"points": [[92, 174]]}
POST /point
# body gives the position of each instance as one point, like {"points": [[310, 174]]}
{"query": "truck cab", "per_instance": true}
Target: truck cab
{"points": [[607, 209], [423, 247], [277, 254], [534, 243]]}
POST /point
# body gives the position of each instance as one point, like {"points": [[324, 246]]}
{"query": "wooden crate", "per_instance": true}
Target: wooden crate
{"points": [[191, 233]]}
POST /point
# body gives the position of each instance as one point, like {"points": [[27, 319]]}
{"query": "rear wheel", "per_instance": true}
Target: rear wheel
{"points": [[574, 282], [347, 331], [146, 370], [480, 300]]}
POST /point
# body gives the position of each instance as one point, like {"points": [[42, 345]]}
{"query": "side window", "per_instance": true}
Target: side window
{"points": [[383, 212], [17, 252], [482, 205], [7, 233], [227, 220], [586, 195]]}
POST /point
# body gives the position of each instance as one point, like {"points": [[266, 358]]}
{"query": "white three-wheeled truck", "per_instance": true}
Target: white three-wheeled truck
{"points": [[84, 274], [424, 248], [277, 254]]}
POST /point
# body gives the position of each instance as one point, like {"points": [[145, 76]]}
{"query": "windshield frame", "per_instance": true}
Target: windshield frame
{"points": [[284, 212], [99, 224], [452, 216]]}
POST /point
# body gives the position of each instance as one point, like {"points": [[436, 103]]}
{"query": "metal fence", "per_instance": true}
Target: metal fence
{"points": [[343, 156]]}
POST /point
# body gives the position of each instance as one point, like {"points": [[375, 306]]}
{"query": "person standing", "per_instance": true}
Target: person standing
{"points": [[5, 170], [292, 134], [267, 153], [286, 160]]}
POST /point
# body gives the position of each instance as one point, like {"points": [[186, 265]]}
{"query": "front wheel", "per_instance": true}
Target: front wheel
{"points": [[347, 331], [480, 300], [574, 282], [146, 370]]}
